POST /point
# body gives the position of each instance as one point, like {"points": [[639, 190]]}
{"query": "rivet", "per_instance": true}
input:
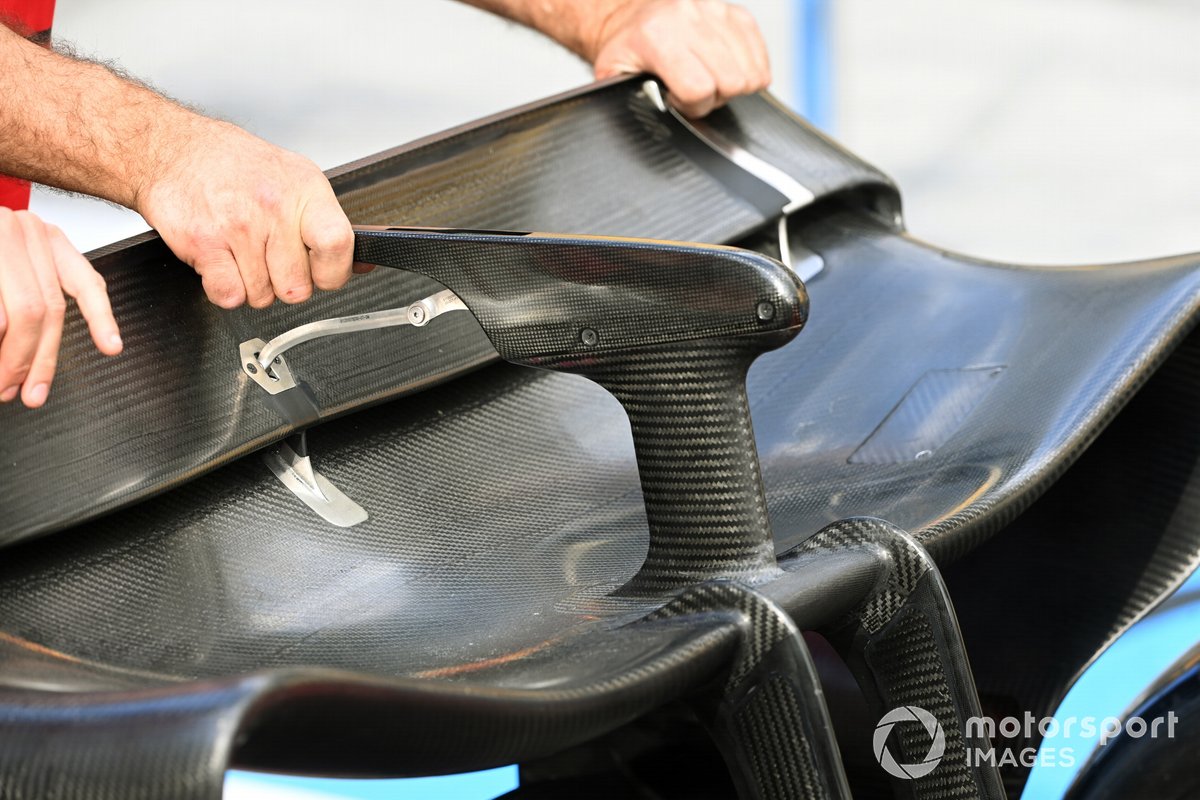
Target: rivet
{"points": [[251, 368], [765, 311]]}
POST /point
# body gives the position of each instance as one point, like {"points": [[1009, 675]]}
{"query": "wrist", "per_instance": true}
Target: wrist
{"points": [[162, 147], [602, 22]]}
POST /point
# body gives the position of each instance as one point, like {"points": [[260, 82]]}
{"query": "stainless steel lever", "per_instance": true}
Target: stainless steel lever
{"points": [[263, 361], [762, 183]]}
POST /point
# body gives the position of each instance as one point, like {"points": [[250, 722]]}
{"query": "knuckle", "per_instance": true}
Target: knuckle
{"points": [[333, 238], [17, 367], [297, 294], [225, 295], [56, 309], [29, 312], [694, 89], [225, 300], [269, 198], [238, 226], [328, 283], [204, 238]]}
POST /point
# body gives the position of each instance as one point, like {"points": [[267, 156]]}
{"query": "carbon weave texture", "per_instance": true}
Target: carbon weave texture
{"points": [[1144, 539], [769, 727], [696, 456], [771, 722], [784, 139], [904, 644], [534, 296], [173, 406], [908, 653], [905, 565], [228, 573], [765, 625], [1075, 344]]}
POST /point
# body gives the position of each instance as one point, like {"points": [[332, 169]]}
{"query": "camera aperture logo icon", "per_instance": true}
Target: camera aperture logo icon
{"points": [[937, 745]]}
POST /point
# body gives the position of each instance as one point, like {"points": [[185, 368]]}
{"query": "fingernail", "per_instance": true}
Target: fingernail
{"points": [[38, 394], [115, 340], [8, 394]]}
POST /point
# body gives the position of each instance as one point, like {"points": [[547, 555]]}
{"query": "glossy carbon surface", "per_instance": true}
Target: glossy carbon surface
{"points": [[221, 622], [904, 645], [535, 296], [671, 331], [170, 407]]}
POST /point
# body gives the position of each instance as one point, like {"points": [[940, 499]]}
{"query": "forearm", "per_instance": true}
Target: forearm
{"points": [[77, 125], [578, 25]]}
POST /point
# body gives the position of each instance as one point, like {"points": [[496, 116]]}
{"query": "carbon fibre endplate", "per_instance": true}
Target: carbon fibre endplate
{"points": [[121, 430], [904, 645], [485, 600], [670, 329]]}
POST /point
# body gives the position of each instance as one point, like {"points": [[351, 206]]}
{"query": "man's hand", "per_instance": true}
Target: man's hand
{"points": [[38, 264], [255, 221], [705, 51]]}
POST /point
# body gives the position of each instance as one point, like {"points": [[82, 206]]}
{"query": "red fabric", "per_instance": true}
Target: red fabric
{"points": [[27, 17], [14, 194]]}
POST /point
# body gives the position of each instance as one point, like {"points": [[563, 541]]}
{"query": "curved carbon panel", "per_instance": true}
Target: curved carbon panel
{"points": [[903, 644], [1063, 349], [696, 457], [534, 294], [479, 601], [173, 405], [1117, 533], [770, 720]]}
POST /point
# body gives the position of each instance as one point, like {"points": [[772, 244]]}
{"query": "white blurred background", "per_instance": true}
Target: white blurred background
{"points": [[1033, 130]]}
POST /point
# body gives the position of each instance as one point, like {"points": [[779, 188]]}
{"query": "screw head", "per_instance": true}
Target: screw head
{"points": [[589, 337], [416, 315], [765, 311], [252, 368]]}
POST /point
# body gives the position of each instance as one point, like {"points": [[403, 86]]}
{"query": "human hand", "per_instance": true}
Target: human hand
{"points": [[255, 221], [38, 264], [705, 51]]}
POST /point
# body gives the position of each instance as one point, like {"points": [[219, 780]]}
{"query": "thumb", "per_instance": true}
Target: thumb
{"points": [[617, 61]]}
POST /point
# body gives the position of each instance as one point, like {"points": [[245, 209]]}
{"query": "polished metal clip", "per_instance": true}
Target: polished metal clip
{"points": [[263, 362]]}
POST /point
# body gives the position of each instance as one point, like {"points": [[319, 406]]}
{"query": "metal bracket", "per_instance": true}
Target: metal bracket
{"points": [[770, 179], [263, 361], [276, 377], [293, 467]]}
